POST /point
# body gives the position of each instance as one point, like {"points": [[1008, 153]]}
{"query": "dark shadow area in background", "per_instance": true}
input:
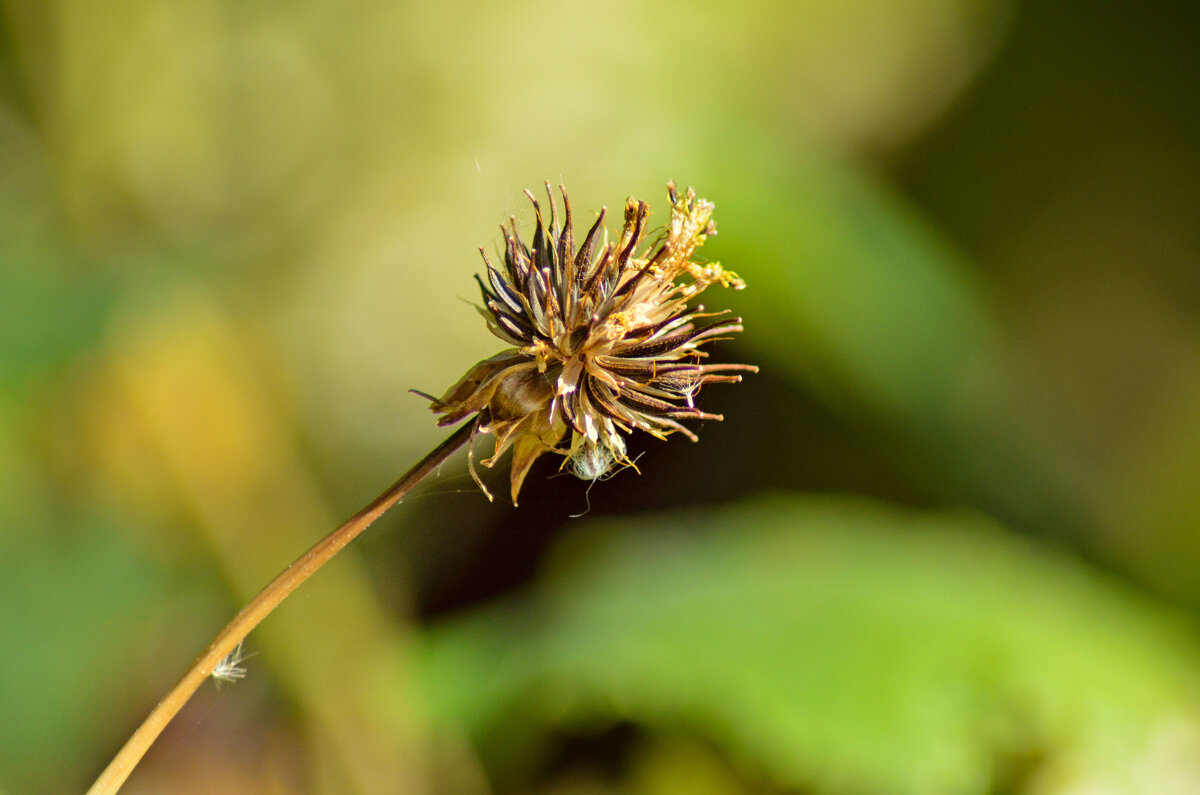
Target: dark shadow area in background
{"points": [[1085, 99], [813, 450]]}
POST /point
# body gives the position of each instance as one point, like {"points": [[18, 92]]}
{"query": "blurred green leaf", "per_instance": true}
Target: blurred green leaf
{"points": [[830, 643], [858, 297], [878, 303]]}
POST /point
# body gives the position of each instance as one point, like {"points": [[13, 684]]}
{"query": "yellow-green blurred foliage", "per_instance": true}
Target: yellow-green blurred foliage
{"points": [[233, 234]]}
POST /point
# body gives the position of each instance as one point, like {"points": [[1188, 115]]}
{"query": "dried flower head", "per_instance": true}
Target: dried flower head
{"points": [[604, 339]]}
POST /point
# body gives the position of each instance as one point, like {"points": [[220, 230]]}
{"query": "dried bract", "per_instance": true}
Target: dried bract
{"points": [[603, 338]]}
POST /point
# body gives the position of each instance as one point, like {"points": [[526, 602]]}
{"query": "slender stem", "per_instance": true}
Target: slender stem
{"points": [[260, 607]]}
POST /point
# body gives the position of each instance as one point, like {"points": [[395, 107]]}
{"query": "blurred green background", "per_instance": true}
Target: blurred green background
{"points": [[945, 542]]}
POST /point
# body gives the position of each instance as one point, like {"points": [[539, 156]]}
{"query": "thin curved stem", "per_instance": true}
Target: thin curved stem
{"points": [[260, 607]]}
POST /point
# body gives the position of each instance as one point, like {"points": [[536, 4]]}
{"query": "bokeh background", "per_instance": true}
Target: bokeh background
{"points": [[946, 542]]}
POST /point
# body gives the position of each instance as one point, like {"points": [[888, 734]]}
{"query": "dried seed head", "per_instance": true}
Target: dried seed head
{"points": [[604, 340]]}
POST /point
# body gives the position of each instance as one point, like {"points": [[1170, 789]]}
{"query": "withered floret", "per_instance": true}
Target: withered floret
{"points": [[604, 340]]}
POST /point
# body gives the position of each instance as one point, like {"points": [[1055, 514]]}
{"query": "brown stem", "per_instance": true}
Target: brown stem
{"points": [[260, 607]]}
